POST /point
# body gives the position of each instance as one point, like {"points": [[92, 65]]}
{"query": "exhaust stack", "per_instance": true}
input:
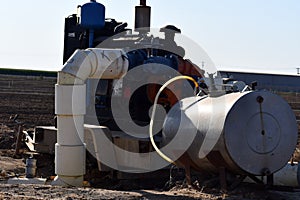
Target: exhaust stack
{"points": [[142, 17]]}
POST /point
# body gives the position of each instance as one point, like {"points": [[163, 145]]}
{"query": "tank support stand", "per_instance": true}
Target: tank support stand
{"points": [[185, 161], [188, 174], [223, 182], [270, 180]]}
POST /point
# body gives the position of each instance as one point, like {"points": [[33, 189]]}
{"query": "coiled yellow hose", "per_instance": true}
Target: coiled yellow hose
{"points": [[165, 157]]}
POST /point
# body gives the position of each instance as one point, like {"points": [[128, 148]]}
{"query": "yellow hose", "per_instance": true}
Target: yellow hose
{"points": [[165, 157]]}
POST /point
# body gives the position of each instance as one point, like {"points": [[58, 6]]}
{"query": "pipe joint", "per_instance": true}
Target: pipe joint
{"points": [[93, 63]]}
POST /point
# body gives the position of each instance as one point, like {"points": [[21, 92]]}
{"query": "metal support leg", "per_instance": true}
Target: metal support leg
{"points": [[270, 180], [237, 182], [185, 161], [222, 174], [19, 141], [188, 174]]}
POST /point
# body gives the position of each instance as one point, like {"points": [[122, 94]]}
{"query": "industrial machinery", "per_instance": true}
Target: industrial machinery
{"points": [[107, 101]]}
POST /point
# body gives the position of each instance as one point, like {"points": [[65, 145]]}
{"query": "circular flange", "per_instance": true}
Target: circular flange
{"points": [[260, 132], [263, 133]]}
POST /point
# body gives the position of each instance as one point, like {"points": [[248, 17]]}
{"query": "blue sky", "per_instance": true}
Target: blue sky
{"points": [[247, 35]]}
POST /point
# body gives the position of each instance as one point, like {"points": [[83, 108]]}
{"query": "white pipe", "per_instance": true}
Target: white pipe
{"points": [[96, 63], [70, 97], [289, 175]]}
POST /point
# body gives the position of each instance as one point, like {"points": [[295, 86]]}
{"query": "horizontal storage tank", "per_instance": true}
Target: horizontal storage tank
{"points": [[92, 15], [247, 133]]}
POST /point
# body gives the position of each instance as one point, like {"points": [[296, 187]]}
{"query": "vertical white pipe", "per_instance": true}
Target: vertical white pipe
{"points": [[70, 146], [70, 107]]}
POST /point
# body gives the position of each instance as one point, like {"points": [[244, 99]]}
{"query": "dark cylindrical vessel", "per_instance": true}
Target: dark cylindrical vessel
{"points": [[30, 170], [92, 15], [142, 17]]}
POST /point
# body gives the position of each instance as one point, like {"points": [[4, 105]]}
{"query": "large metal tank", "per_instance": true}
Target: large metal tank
{"points": [[247, 133]]}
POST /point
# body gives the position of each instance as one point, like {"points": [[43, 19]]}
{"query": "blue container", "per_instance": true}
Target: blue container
{"points": [[92, 15]]}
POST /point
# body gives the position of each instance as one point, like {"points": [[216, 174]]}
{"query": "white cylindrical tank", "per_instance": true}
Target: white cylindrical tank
{"points": [[247, 133]]}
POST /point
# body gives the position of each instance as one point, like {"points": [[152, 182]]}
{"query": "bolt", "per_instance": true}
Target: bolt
{"points": [[259, 99], [266, 172]]}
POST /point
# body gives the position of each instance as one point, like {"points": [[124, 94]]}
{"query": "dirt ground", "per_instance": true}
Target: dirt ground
{"points": [[49, 192], [32, 98]]}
